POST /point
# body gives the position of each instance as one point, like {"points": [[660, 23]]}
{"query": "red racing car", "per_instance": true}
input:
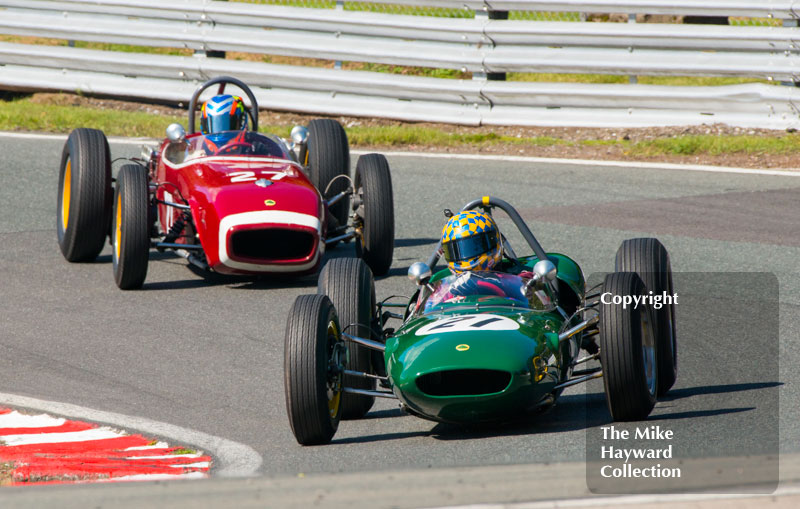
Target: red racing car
{"points": [[228, 198]]}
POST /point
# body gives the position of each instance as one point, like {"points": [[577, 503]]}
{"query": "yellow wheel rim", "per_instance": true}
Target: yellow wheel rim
{"points": [[336, 400], [118, 226], [333, 403], [66, 192]]}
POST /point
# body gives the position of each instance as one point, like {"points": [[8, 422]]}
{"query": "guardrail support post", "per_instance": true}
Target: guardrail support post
{"points": [[213, 53], [794, 22], [339, 7], [487, 13], [632, 79]]}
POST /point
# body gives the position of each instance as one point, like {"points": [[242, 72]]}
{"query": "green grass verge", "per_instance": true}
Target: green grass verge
{"points": [[23, 114], [716, 145], [677, 81], [26, 115], [417, 135]]}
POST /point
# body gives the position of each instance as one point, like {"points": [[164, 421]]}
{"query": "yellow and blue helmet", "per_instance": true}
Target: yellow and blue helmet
{"points": [[223, 113], [471, 241]]}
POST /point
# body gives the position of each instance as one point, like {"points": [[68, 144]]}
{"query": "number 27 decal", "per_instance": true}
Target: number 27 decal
{"points": [[250, 176], [465, 323]]}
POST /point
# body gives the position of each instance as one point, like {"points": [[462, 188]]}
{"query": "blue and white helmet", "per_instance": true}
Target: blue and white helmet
{"points": [[223, 113]]}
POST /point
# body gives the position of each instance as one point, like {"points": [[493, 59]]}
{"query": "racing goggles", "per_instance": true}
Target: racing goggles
{"points": [[469, 247], [218, 123]]}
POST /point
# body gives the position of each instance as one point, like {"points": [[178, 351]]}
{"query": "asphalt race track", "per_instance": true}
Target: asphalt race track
{"points": [[206, 353]]}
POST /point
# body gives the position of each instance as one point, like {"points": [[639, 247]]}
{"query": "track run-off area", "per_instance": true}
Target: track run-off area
{"points": [[192, 355], [51, 450]]}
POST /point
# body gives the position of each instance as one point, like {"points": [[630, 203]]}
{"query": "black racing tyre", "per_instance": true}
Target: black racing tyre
{"points": [[649, 258], [312, 355], [627, 351], [327, 157], [375, 201], [348, 283], [84, 195], [130, 235]]}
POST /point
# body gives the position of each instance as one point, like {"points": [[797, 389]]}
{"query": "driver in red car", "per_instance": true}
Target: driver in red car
{"points": [[471, 242], [223, 123]]}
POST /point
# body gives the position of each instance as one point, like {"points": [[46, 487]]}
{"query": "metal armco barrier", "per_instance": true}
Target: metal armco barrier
{"points": [[480, 45]]}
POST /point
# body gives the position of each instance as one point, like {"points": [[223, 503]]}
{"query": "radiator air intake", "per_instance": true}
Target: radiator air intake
{"points": [[273, 244], [464, 382]]}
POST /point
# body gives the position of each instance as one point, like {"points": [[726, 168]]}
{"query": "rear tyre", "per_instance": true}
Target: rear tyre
{"points": [[327, 157], [375, 201], [627, 351], [84, 195], [312, 358], [649, 259], [130, 240], [349, 285]]}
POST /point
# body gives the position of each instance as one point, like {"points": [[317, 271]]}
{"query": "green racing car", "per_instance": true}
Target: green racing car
{"points": [[481, 345]]}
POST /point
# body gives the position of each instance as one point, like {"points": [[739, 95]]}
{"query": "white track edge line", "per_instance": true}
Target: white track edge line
{"points": [[235, 459], [16, 420], [163, 456], [151, 477], [591, 162], [485, 157], [46, 136], [628, 500], [87, 435]]}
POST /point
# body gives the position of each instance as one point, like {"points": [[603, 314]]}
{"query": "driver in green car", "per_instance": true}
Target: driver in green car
{"points": [[473, 248]]}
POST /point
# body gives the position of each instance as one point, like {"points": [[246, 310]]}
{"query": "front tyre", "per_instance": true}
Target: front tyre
{"points": [[348, 284], [313, 359], [328, 157], [375, 210], [130, 239], [649, 258], [627, 351], [84, 195]]}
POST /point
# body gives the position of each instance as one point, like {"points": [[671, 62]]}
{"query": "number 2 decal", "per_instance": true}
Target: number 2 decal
{"points": [[242, 176], [483, 322]]}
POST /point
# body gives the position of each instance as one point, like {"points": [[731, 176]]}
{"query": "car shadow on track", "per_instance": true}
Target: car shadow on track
{"points": [[383, 414], [698, 413], [574, 412], [154, 256], [207, 279], [414, 242], [706, 390], [687, 392], [381, 437], [570, 414], [394, 271]]}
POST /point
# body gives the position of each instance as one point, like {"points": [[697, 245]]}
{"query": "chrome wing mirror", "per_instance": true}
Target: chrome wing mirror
{"points": [[299, 145], [299, 135], [419, 273], [545, 270], [544, 273], [176, 133]]}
